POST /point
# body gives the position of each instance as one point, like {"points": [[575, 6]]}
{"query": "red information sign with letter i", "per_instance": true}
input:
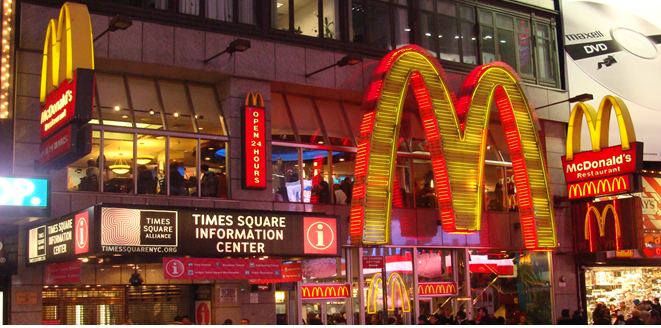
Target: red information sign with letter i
{"points": [[254, 142]]}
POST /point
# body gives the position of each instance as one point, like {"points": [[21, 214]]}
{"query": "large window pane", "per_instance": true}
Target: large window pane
{"points": [[324, 270], [469, 42], [448, 38], [306, 19], [208, 117], [219, 9], [118, 167], [281, 129], [494, 195], [507, 47], [379, 25], [112, 98], [177, 110], [402, 28], [427, 38], [544, 56], [488, 45], [316, 175], [213, 168], [84, 174], [280, 18], [404, 184], [357, 22], [247, 12], [355, 117], [434, 265], [331, 20], [525, 48], [343, 176], [151, 164], [425, 196], [305, 118], [339, 133], [145, 103], [183, 166], [286, 183]]}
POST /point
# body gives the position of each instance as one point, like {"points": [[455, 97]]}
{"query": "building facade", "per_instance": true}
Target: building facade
{"points": [[164, 116]]}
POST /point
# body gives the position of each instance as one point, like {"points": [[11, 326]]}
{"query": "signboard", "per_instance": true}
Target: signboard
{"points": [[437, 288], [64, 238], [216, 233], [23, 196], [291, 272], [26, 298], [613, 225], [325, 291], [70, 102], [203, 312], [66, 146], [610, 161], [254, 142], [227, 295], [373, 262], [63, 273], [615, 51], [206, 268], [599, 187]]}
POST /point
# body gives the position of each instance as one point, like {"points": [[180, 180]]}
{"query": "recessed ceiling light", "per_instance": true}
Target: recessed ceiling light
{"points": [[117, 108]]}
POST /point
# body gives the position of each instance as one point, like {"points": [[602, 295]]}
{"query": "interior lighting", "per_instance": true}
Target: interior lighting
{"points": [[144, 159], [121, 166]]}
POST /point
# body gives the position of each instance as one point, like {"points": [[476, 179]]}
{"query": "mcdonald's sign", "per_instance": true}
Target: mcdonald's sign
{"points": [[456, 129], [395, 287], [437, 288], [604, 186], [602, 161], [613, 225], [325, 291], [254, 142]]}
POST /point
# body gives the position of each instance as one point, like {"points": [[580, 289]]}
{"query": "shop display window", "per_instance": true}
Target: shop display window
{"points": [[214, 182], [316, 174], [343, 172], [183, 167], [117, 163], [151, 164], [286, 182], [84, 174]]}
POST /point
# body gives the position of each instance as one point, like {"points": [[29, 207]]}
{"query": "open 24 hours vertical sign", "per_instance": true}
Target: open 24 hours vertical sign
{"points": [[254, 142]]}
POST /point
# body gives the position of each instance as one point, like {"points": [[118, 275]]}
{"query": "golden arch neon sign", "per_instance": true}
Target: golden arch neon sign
{"points": [[394, 283], [601, 224], [599, 125], [455, 131], [68, 46]]}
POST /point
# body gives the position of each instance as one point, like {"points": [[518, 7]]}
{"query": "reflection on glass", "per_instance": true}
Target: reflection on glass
{"points": [[84, 174], [151, 164], [112, 99], [213, 168], [425, 196], [448, 38], [183, 167], [357, 22], [544, 52], [248, 12], [434, 265], [403, 184], [427, 39], [281, 129], [219, 9], [343, 174], [402, 28], [145, 103], [286, 183], [177, 110], [324, 270], [494, 196], [207, 112], [524, 45], [118, 167], [488, 45], [315, 174], [305, 118], [339, 133], [379, 23], [468, 42]]}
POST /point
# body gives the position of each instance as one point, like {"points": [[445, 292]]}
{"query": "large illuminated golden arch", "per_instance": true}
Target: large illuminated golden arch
{"points": [[456, 132]]}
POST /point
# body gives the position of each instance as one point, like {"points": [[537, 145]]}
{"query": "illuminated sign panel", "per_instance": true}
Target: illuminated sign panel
{"points": [[72, 101], [325, 291], [613, 225], [605, 186], [395, 288], [64, 238], [437, 288], [456, 130], [254, 142], [24, 196], [610, 161]]}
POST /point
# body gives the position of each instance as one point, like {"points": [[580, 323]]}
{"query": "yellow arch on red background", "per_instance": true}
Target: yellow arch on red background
{"points": [[456, 134]]}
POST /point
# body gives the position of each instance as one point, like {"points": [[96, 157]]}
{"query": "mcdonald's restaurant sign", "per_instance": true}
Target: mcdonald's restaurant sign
{"points": [[67, 86], [613, 225], [254, 142], [325, 291], [602, 170], [456, 130], [437, 288]]}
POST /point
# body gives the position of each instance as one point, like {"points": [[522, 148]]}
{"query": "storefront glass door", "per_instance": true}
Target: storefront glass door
{"points": [[324, 312]]}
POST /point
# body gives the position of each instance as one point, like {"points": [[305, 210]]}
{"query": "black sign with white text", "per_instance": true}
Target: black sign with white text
{"points": [[62, 239]]}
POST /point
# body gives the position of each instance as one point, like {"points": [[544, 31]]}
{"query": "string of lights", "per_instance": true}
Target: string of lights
{"points": [[7, 15]]}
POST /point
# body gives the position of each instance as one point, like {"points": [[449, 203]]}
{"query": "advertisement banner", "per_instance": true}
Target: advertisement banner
{"points": [[254, 148], [610, 161], [216, 233], [612, 48], [613, 225], [291, 272], [64, 238], [63, 273], [325, 291], [207, 269], [71, 101]]}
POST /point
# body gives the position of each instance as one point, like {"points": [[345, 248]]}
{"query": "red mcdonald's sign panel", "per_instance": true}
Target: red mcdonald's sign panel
{"points": [[611, 161], [437, 288], [325, 291], [254, 142], [604, 186], [613, 225]]}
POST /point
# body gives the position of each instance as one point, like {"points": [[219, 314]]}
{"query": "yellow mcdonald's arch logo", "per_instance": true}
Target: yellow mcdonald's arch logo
{"points": [[601, 223], [599, 125], [68, 46], [437, 289], [456, 135], [394, 284], [254, 100], [325, 291], [343, 291], [598, 187]]}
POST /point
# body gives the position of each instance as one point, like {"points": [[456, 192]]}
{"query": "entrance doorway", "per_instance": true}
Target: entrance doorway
{"points": [[324, 312]]}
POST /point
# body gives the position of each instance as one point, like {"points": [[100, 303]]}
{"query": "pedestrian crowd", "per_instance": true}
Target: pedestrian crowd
{"points": [[639, 313]]}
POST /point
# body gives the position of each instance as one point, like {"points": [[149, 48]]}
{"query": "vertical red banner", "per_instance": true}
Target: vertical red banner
{"points": [[81, 233], [254, 155]]}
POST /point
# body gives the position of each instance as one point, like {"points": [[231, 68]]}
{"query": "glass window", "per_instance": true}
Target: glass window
{"points": [[427, 5], [403, 184], [506, 48], [379, 22], [448, 38], [281, 129], [286, 183], [207, 111], [494, 194], [343, 175], [219, 9], [146, 106], [324, 270], [247, 12], [468, 42], [118, 166], [402, 28], [435, 265], [446, 8], [84, 174], [332, 116], [315, 177], [213, 168], [331, 19], [151, 164], [305, 118], [355, 116], [544, 55], [425, 196], [467, 13], [428, 39], [177, 110], [280, 19], [357, 22], [488, 45], [183, 167], [525, 49], [112, 99], [306, 18]]}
